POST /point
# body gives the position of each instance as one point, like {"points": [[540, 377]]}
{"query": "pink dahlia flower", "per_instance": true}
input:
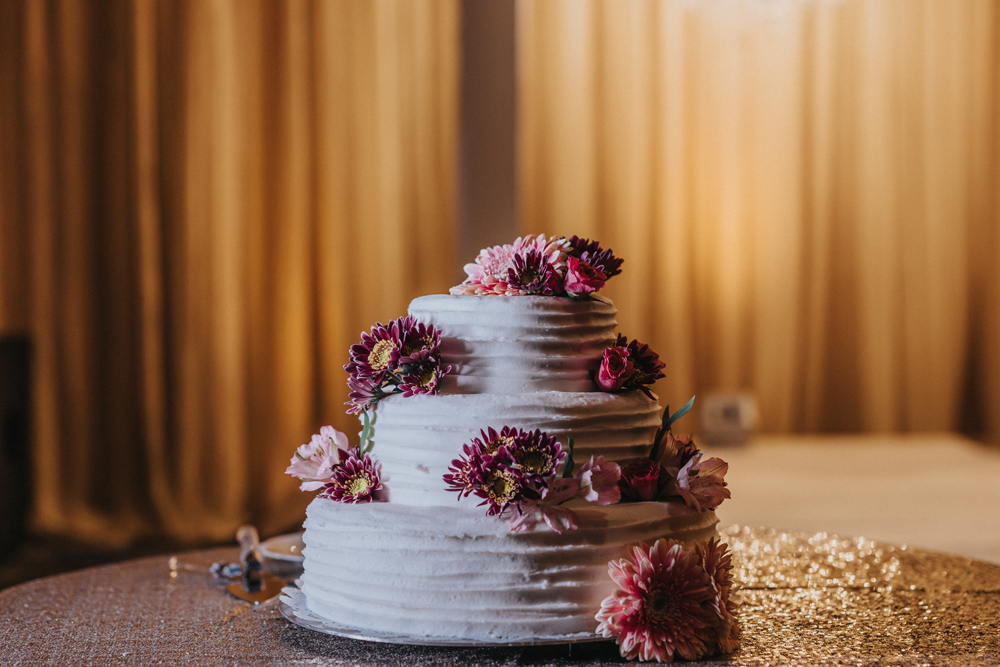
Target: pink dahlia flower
{"points": [[717, 561], [355, 480], [489, 275], [315, 462], [663, 605], [548, 508], [582, 278], [640, 480], [615, 369], [702, 484], [599, 481]]}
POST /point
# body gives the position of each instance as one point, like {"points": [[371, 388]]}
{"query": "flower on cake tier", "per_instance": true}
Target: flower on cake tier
{"points": [[400, 357], [718, 563], [590, 252], [355, 480], [663, 605], [640, 480], [532, 273], [548, 508], [315, 462], [701, 483], [629, 365], [582, 278], [599, 481]]}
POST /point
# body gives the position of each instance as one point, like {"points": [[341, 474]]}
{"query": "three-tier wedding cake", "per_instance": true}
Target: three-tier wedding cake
{"points": [[512, 450]]}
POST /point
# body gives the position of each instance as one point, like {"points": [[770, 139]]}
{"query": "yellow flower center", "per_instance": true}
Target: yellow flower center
{"points": [[359, 486], [427, 378], [659, 604], [380, 355], [501, 487], [417, 345], [529, 276], [492, 446], [534, 461]]}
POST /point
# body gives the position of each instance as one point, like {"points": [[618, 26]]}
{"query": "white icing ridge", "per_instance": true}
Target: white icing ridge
{"points": [[454, 572], [417, 437], [519, 344]]}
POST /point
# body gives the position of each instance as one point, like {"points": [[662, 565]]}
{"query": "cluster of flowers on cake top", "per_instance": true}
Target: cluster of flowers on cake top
{"points": [[628, 365], [400, 357], [674, 468], [536, 264], [340, 472], [526, 476], [671, 601]]}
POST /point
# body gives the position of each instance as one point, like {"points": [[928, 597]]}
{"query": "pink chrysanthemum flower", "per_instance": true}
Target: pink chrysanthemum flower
{"points": [[315, 462], [717, 561], [662, 607], [702, 483], [355, 480]]}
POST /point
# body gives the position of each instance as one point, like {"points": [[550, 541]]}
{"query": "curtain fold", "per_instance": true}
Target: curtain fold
{"points": [[202, 205], [803, 192]]}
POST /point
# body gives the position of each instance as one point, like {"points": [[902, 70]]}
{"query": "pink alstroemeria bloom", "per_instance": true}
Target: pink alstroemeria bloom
{"points": [[676, 452], [582, 278], [640, 480], [662, 607], [548, 508], [315, 462], [701, 483], [599, 481], [616, 368]]}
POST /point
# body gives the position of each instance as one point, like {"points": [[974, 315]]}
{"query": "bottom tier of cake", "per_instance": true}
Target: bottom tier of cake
{"points": [[455, 572]]}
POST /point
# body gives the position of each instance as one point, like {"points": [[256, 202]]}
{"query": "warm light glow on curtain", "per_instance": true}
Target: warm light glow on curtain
{"points": [[803, 192], [202, 204]]}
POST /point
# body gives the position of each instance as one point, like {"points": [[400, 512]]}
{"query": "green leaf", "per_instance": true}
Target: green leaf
{"points": [[568, 465], [680, 413], [366, 433]]}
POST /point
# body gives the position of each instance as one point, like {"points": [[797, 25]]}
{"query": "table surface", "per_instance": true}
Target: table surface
{"points": [[807, 599]]}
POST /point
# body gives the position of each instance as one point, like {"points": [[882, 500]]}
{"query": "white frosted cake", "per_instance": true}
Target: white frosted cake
{"points": [[513, 456], [422, 563]]}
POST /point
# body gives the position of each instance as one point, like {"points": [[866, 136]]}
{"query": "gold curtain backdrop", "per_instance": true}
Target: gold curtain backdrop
{"points": [[804, 192], [202, 204]]}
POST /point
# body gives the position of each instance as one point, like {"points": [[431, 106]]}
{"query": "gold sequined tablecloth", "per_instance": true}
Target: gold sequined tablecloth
{"points": [[807, 600]]}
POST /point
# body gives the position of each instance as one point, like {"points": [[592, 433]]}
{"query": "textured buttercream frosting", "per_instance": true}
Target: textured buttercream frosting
{"points": [[518, 344], [454, 572], [417, 437]]}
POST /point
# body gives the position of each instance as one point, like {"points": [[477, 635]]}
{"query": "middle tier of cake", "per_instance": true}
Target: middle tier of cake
{"points": [[417, 438]]}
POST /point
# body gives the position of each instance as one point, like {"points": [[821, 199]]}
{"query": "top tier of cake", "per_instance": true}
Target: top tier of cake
{"points": [[518, 345]]}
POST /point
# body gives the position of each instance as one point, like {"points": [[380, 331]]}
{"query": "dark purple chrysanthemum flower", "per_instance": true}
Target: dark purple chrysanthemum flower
{"points": [[355, 480], [416, 338], [647, 365], [499, 485], [378, 352], [591, 253], [532, 273], [399, 357], [536, 453]]}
